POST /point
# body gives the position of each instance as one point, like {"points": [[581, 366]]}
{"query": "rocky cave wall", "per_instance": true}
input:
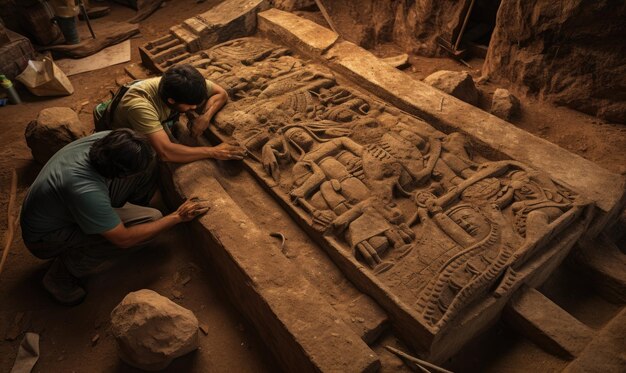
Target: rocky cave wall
{"points": [[414, 25], [570, 52]]}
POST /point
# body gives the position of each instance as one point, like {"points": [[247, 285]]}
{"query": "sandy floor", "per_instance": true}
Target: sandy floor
{"points": [[231, 345], [67, 333]]}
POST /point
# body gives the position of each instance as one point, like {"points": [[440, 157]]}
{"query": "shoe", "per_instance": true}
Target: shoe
{"points": [[62, 285]]}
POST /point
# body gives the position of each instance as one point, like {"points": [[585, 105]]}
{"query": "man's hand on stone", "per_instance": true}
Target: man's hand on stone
{"points": [[226, 151], [192, 208]]}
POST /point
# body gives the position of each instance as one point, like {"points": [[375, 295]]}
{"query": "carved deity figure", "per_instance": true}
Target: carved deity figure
{"points": [[403, 160], [327, 184]]}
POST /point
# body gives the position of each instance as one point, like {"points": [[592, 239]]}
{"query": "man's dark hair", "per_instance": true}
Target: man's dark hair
{"points": [[121, 153], [183, 84]]}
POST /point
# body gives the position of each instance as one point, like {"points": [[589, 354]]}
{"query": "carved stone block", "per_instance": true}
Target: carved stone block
{"points": [[297, 30], [230, 19], [297, 324], [413, 216]]}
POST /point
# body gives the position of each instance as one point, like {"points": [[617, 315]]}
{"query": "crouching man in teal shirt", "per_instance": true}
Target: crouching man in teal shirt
{"points": [[86, 207]]}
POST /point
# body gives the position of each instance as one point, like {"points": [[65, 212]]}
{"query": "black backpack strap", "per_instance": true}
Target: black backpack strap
{"points": [[106, 120]]}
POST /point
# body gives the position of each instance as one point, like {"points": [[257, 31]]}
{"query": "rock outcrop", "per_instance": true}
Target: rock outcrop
{"points": [[151, 330], [53, 129], [569, 52], [412, 25], [455, 83]]}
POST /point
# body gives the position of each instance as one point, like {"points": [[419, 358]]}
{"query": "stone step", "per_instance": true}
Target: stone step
{"points": [[188, 38], [605, 265], [546, 324], [606, 352]]}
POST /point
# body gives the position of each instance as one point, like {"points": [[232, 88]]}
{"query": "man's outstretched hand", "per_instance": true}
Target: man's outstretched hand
{"points": [[191, 208], [226, 151]]}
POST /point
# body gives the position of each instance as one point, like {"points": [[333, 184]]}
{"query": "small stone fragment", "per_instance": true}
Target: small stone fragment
{"points": [[151, 330], [504, 104], [397, 61], [455, 83], [204, 328], [177, 294], [94, 340]]}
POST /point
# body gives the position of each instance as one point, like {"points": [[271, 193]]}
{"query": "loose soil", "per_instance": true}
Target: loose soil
{"points": [[231, 344]]}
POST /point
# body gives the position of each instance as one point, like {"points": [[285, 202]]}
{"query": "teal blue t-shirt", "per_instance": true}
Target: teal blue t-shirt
{"points": [[68, 192]]}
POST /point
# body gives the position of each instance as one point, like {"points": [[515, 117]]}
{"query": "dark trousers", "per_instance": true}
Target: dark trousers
{"points": [[82, 253]]}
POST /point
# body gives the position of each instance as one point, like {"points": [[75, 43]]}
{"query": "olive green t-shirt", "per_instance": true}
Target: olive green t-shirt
{"points": [[68, 192], [142, 109]]}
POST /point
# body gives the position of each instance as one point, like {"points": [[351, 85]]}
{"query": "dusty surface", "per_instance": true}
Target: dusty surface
{"points": [[67, 334]]}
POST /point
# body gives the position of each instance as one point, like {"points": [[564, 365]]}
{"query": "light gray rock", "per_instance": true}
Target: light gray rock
{"points": [[53, 129], [455, 83], [504, 105], [151, 330]]}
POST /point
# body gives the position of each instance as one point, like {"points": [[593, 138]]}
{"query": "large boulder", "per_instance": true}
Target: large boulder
{"points": [[504, 104], [455, 83], [53, 129], [151, 330]]}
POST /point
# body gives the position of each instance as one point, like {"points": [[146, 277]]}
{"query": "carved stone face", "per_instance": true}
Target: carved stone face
{"points": [[471, 220], [301, 138]]}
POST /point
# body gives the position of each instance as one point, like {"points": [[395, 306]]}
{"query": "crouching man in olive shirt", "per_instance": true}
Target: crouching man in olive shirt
{"points": [[85, 207]]}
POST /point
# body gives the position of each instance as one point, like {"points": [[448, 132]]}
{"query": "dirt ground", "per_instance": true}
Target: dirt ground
{"points": [[67, 333], [231, 344]]}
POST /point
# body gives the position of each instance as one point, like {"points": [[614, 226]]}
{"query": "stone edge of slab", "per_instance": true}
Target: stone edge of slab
{"points": [[256, 280], [296, 30]]}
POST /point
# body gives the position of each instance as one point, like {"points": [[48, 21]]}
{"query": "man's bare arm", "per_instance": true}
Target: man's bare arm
{"points": [[125, 237], [172, 152], [217, 100]]}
